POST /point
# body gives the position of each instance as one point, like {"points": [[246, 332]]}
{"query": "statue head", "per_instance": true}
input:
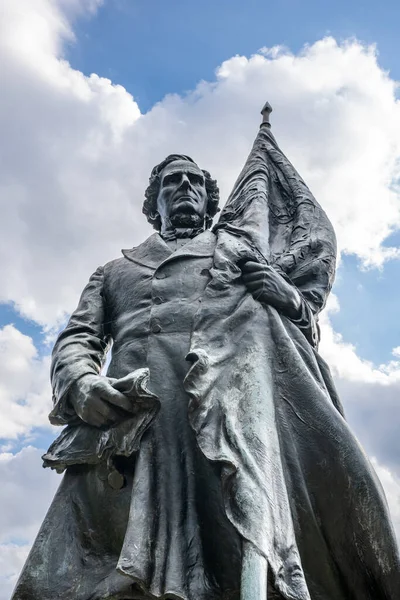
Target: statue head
{"points": [[180, 195]]}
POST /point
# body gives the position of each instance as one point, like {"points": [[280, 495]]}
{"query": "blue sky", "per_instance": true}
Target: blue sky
{"points": [[176, 44], [76, 154]]}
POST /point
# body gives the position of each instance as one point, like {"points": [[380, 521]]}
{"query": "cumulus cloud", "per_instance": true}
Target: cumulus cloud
{"points": [[56, 215], [343, 357], [370, 393], [79, 152], [12, 558], [25, 394], [371, 398], [25, 494]]}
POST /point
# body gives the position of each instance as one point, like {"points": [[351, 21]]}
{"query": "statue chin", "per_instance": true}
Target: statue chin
{"points": [[186, 220]]}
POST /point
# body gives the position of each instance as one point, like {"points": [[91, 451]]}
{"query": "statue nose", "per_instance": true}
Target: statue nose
{"points": [[185, 183]]}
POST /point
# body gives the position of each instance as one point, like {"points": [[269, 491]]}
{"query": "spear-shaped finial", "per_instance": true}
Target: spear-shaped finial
{"points": [[266, 111]]}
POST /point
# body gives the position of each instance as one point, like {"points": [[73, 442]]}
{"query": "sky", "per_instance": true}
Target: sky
{"points": [[94, 93]]}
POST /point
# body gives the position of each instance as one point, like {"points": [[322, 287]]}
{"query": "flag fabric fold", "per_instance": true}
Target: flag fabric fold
{"points": [[296, 484]]}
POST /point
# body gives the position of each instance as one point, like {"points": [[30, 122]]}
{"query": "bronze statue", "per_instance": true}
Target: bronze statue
{"points": [[213, 461]]}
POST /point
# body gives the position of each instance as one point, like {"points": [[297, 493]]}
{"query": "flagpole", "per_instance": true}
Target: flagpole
{"points": [[253, 585], [254, 577], [266, 111]]}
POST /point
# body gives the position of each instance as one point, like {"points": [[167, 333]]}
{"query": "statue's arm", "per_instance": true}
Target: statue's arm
{"points": [[80, 349], [313, 280], [306, 318]]}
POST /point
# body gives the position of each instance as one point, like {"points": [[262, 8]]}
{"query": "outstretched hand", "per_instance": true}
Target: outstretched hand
{"points": [[269, 287], [97, 402]]}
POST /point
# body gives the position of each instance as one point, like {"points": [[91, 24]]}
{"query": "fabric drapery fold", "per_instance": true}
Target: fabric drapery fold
{"points": [[275, 213], [263, 403]]}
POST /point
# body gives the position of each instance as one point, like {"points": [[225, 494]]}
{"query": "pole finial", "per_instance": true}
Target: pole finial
{"points": [[266, 111]]}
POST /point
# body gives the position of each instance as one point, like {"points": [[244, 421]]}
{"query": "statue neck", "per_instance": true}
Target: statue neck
{"points": [[180, 234]]}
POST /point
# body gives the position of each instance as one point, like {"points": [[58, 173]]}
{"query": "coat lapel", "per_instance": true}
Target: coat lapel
{"points": [[154, 251], [151, 253]]}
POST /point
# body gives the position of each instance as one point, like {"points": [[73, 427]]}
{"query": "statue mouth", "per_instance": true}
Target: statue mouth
{"points": [[184, 198], [184, 203]]}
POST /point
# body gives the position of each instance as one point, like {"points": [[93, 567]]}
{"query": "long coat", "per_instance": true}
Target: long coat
{"points": [[166, 527]]}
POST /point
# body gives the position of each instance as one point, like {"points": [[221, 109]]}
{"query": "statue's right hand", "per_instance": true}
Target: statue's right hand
{"points": [[97, 402]]}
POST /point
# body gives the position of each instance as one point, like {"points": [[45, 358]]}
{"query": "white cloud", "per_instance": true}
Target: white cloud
{"points": [[396, 352], [25, 494], [344, 360], [62, 201], [78, 151], [371, 399], [370, 394], [12, 558], [25, 394]]}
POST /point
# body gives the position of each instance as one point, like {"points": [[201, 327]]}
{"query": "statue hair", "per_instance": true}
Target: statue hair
{"points": [[151, 193]]}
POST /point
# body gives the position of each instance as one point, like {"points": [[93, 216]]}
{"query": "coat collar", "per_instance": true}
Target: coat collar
{"points": [[154, 251]]}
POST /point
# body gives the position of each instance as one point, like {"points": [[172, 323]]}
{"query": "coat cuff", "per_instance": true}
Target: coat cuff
{"points": [[63, 412], [307, 323]]}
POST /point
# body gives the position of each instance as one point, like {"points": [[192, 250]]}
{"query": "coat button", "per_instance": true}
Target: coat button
{"points": [[160, 275], [158, 300], [155, 328]]}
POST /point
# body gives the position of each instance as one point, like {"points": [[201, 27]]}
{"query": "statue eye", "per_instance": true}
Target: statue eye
{"points": [[173, 178], [196, 179]]}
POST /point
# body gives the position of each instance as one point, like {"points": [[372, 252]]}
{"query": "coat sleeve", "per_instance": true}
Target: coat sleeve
{"points": [[80, 349], [307, 321]]}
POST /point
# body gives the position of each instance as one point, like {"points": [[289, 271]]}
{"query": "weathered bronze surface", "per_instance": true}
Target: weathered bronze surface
{"points": [[214, 460]]}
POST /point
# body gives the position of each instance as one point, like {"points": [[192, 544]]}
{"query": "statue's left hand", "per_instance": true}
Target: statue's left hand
{"points": [[269, 287]]}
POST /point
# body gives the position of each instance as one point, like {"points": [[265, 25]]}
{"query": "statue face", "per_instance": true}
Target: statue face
{"points": [[182, 199]]}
